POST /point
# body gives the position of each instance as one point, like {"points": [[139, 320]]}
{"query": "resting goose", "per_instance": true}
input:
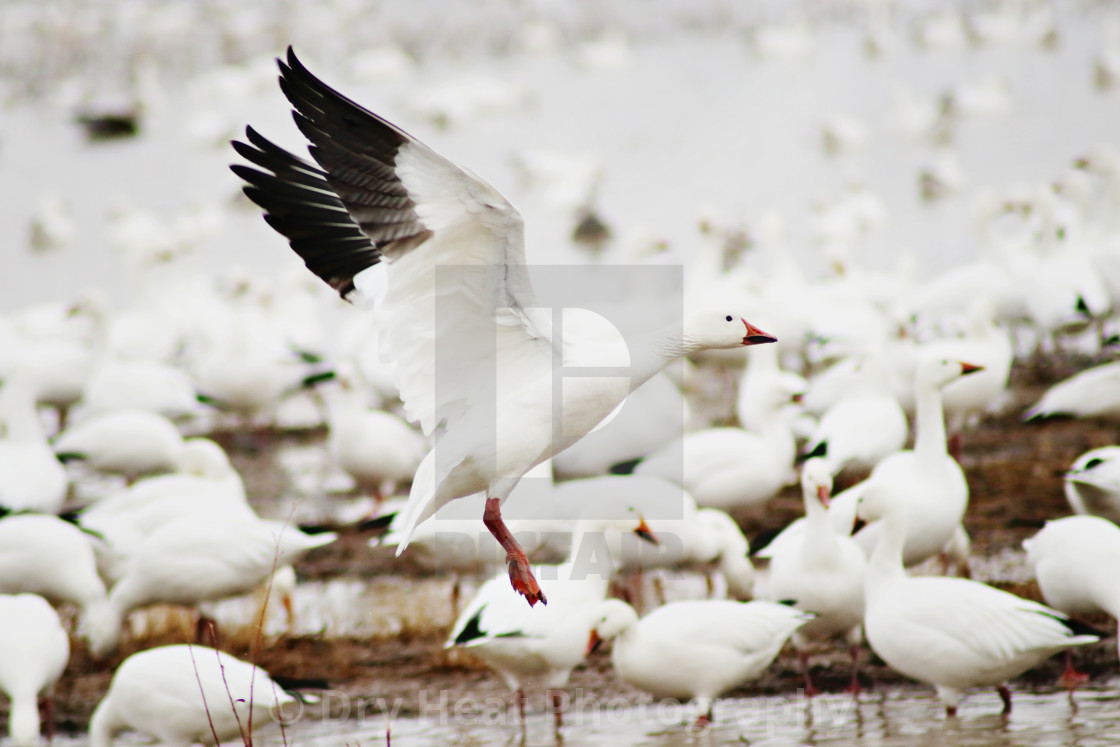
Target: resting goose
{"points": [[377, 193]]}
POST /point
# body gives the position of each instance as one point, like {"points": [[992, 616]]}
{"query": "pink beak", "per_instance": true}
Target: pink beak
{"points": [[823, 495], [756, 336]]}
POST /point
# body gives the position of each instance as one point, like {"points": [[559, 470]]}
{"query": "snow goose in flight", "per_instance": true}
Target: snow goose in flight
{"points": [[453, 289], [953, 633]]}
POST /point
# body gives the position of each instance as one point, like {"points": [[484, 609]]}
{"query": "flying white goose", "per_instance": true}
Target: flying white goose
{"points": [[822, 574], [1076, 560], [31, 477], [953, 633], [34, 649], [196, 559], [477, 364], [187, 695], [541, 646], [1092, 484], [696, 649]]}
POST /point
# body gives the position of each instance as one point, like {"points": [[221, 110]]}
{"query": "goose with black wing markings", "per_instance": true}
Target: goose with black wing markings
{"points": [[453, 290]]}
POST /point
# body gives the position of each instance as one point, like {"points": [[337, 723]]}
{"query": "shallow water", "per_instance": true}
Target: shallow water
{"points": [[900, 718]]}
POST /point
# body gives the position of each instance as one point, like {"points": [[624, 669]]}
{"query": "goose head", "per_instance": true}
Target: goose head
{"points": [[615, 616], [816, 482], [723, 328], [934, 373]]}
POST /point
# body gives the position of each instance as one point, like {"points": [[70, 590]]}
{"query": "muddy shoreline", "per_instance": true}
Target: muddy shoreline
{"points": [[1014, 472]]}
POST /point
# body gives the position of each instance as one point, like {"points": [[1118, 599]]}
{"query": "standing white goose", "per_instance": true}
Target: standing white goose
{"points": [[1092, 484], [445, 234], [1076, 560], [187, 695], [31, 477], [822, 574], [34, 650], [697, 649], [928, 482], [953, 633], [542, 645]]}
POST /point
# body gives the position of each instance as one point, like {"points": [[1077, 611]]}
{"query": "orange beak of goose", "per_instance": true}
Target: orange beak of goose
{"points": [[755, 336], [967, 368], [643, 531], [593, 643], [824, 495]]}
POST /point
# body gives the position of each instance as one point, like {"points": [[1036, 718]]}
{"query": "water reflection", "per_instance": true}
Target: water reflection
{"points": [[899, 718]]}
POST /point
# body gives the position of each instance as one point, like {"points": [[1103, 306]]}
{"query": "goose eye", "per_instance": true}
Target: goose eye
{"points": [[729, 317], [1093, 462]]}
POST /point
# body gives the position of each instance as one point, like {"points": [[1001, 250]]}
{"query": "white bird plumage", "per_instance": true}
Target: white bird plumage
{"points": [[953, 633], [1092, 484], [473, 348], [695, 649], [34, 650], [186, 695], [822, 574], [196, 559]]}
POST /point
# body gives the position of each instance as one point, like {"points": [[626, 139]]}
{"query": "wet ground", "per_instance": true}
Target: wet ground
{"points": [[369, 627]]}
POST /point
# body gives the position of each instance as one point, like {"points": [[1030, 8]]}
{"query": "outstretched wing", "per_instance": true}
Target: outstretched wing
{"points": [[457, 295]]}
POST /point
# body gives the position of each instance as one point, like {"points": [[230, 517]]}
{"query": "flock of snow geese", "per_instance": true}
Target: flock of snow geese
{"points": [[888, 380]]}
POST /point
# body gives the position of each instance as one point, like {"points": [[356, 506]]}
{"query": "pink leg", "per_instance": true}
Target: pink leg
{"points": [[1005, 696], [48, 716], [1071, 678], [854, 688], [558, 708], [954, 446], [206, 631], [810, 688], [519, 698], [520, 574]]}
